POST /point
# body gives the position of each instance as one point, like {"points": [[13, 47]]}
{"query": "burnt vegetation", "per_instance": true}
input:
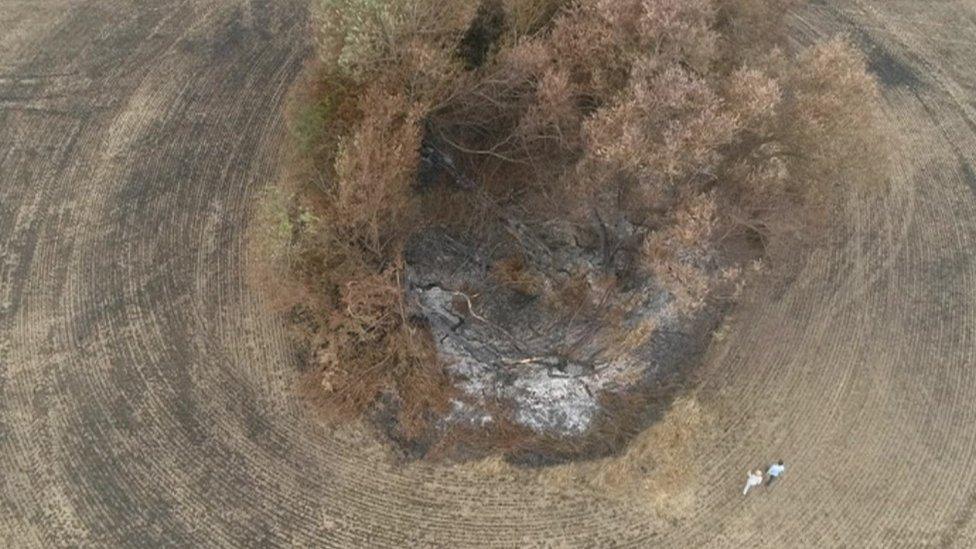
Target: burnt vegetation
{"points": [[677, 143]]}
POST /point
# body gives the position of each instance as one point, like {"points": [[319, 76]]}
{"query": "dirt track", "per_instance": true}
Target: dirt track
{"points": [[146, 400]]}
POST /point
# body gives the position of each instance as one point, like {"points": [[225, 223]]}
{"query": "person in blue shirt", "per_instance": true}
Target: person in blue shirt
{"points": [[775, 470]]}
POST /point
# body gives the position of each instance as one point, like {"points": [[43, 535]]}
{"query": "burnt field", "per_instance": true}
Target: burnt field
{"points": [[148, 399]]}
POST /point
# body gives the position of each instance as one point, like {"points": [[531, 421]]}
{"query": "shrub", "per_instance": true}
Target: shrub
{"points": [[660, 128]]}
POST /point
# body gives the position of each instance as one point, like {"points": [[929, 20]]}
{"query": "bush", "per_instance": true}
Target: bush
{"points": [[681, 121]]}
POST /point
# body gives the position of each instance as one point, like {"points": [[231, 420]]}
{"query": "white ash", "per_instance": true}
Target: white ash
{"points": [[546, 395]]}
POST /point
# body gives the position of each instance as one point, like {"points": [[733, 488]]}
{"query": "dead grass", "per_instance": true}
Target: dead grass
{"points": [[659, 471], [516, 274], [660, 466]]}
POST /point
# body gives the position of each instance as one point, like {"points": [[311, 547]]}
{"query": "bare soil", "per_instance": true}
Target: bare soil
{"points": [[147, 400]]}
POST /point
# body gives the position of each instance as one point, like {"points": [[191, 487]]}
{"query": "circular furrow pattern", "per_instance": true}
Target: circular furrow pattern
{"points": [[147, 399]]}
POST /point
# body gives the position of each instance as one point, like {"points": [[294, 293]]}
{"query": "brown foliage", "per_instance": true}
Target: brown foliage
{"points": [[375, 169], [750, 28], [371, 347], [681, 119], [515, 274]]}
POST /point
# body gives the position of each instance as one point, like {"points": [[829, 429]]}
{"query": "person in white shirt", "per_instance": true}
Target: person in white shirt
{"points": [[755, 479], [775, 470]]}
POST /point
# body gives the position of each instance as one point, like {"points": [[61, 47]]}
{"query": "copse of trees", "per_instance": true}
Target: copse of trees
{"points": [[685, 121]]}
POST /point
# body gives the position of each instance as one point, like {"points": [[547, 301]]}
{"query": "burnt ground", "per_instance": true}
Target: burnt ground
{"points": [[146, 399], [559, 354]]}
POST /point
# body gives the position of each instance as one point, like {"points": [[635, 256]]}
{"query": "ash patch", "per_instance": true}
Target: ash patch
{"points": [[548, 368]]}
